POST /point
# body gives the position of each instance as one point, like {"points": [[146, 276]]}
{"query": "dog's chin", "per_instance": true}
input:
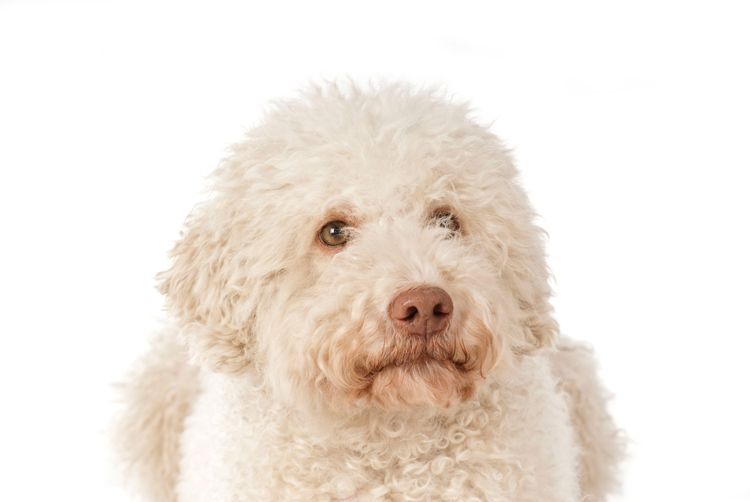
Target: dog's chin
{"points": [[423, 382]]}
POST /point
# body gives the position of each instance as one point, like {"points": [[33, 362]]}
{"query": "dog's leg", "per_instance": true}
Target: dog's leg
{"points": [[600, 441], [157, 397]]}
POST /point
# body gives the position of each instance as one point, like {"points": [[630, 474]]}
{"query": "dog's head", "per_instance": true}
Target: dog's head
{"points": [[369, 247]]}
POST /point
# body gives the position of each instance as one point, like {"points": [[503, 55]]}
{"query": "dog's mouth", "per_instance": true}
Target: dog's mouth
{"points": [[417, 362], [421, 380], [437, 370], [419, 352]]}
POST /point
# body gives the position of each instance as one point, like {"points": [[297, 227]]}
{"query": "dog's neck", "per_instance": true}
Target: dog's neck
{"points": [[321, 421], [239, 424]]}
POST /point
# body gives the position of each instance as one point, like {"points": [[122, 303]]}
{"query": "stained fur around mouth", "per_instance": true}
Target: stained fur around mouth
{"points": [[396, 370], [419, 350]]}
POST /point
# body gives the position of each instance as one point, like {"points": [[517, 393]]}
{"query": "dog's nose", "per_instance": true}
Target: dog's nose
{"points": [[424, 310]]}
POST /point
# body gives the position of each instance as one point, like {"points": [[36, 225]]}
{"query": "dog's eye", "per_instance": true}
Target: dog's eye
{"points": [[446, 219], [334, 233]]}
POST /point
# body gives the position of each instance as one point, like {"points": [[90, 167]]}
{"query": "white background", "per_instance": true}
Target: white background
{"points": [[630, 123]]}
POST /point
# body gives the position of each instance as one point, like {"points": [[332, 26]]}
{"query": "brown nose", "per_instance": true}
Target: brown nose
{"points": [[424, 310]]}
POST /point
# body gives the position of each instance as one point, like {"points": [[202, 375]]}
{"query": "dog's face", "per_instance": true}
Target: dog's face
{"points": [[369, 248]]}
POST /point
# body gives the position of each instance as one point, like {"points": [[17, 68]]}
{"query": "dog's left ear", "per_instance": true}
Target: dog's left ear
{"points": [[527, 273]]}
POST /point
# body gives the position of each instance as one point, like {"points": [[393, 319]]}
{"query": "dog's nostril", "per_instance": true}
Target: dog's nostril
{"points": [[440, 310], [411, 313]]}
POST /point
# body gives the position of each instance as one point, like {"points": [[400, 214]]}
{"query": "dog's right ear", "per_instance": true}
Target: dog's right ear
{"points": [[212, 287]]}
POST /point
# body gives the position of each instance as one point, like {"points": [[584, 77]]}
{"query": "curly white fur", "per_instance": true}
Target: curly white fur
{"points": [[305, 389]]}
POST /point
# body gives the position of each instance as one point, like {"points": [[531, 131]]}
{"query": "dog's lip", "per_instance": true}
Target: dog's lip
{"points": [[417, 361], [423, 359]]}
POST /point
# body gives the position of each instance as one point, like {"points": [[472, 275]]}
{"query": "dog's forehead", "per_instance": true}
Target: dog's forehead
{"points": [[380, 179], [395, 177], [388, 151]]}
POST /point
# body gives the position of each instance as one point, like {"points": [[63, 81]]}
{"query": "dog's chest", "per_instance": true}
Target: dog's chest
{"points": [[512, 443]]}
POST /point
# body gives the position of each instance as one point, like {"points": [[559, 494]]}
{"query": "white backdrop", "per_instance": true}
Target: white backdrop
{"points": [[629, 121]]}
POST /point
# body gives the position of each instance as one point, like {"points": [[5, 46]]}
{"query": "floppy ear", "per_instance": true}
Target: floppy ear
{"points": [[231, 250], [526, 270], [212, 289]]}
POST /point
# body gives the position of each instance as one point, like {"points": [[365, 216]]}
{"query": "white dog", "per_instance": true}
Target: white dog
{"points": [[361, 312]]}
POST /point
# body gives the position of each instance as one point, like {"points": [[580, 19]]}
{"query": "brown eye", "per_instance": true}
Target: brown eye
{"points": [[334, 233], [446, 219]]}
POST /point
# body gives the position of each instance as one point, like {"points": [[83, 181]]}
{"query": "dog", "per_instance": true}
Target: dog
{"points": [[360, 311]]}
